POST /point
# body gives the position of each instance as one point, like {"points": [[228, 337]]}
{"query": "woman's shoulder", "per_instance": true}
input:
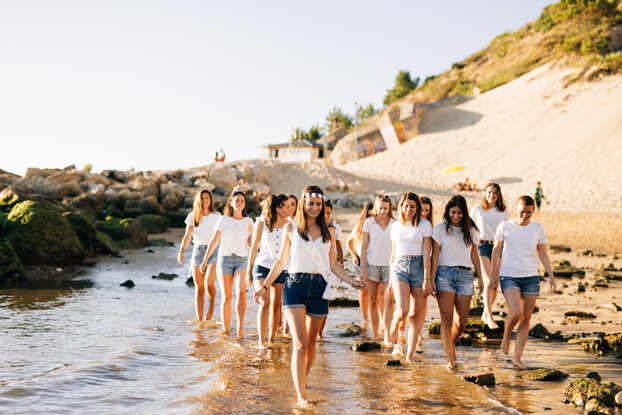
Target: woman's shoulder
{"points": [[370, 220]]}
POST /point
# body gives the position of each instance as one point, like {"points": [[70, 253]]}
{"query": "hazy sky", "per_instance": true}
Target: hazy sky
{"points": [[164, 84]]}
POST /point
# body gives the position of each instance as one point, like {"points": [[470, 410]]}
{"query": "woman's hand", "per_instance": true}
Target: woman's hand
{"points": [[427, 287], [259, 295], [480, 286], [355, 259], [389, 289], [203, 267], [552, 284], [359, 285], [249, 278], [180, 257]]}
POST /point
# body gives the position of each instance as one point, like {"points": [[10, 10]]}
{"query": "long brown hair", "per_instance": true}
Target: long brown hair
{"points": [[271, 204], [228, 210], [409, 196], [466, 223], [380, 199], [427, 201], [197, 209], [499, 204], [320, 220], [358, 229]]}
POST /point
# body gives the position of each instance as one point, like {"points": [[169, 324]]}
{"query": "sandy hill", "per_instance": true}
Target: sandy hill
{"points": [[537, 127]]}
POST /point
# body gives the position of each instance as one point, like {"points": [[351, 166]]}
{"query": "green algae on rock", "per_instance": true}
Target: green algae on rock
{"points": [[128, 233], [582, 390], [154, 223], [546, 375], [10, 264]]}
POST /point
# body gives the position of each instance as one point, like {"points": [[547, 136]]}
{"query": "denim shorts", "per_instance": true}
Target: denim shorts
{"points": [[454, 279], [526, 285], [485, 250], [229, 264], [260, 273], [408, 269], [198, 253], [378, 273], [303, 290]]}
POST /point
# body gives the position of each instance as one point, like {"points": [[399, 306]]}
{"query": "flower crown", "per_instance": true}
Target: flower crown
{"points": [[304, 195]]}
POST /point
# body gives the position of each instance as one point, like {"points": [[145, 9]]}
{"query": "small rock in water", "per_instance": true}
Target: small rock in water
{"points": [[365, 346], [482, 379], [150, 251], [344, 302], [595, 407], [190, 281], [588, 389], [545, 375], [593, 375], [352, 331], [579, 314], [128, 284], [464, 340], [88, 263], [393, 362], [164, 276]]}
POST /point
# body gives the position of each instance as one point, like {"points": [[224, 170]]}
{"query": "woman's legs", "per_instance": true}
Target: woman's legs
{"points": [[304, 332], [416, 297], [313, 328], [373, 287], [276, 301], [462, 307], [210, 289], [401, 291], [522, 330], [262, 314], [387, 310], [520, 308], [515, 314], [240, 300], [446, 301], [489, 294], [364, 304], [424, 312], [226, 290], [199, 292]]}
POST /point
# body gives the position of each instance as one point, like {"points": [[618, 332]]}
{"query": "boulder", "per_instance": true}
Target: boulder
{"points": [[111, 210], [365, 346], [10, 264], [145, 185], [540, 332], [128, 233], [36, 172], [105, 245], [90, 203], [41, 235], [154, 223], [544, 375], [176, 219], [142, 206], [619, 398], [84, 228], [613, 342], [224, 177], [482, 379], [202, 183], [593, 375], [7, 178], [591, 388], [25, 187]]}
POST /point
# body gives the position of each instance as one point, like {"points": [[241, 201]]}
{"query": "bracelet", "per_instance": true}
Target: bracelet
{"points": [[362, 267], [182, 250]]}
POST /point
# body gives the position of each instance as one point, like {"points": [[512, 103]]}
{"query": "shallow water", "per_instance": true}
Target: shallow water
{"points": [[80, 343]]}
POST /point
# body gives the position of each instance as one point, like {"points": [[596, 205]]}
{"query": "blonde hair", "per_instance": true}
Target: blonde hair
{"points": [[197, 209], [380, 199]]}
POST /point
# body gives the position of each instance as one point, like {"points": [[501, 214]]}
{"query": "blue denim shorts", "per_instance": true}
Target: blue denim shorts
{"points": [[303, 290], [260, 273], [229, 264], [408, 269], [485, 250], [526, 285], [198, 253], [454, 279]]}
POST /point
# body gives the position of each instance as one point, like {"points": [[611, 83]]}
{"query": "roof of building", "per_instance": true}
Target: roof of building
{"points": [[297, 143]]}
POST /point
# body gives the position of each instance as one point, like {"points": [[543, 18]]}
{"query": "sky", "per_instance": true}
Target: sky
{"points": [[163, 84]]}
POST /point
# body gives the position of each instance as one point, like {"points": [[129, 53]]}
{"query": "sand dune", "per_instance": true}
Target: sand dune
{"points": [[533, 128]]}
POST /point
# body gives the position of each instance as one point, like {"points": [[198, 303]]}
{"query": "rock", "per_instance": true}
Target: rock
{"points": [[595, 407], [579, 314], [482, 379], [105, 245], [592, 345], [90, 203], [352, 330], [393, 362], [593, 375], [88, 263], [564, 269], [84, 228], [145, 185], [224, 177], [159, 242], [619, 398], [545, 375], [464, 340], [580, 288], [153, 223], [10, 265], [150, 251], [142, 206], [540, 332], [365, 346], [128, 284], [176, 219], [165, 276], [476, 311], [128, 233], [591, 388], [190, 281], [41, 235], [111, 210], [559, 248], [613, 342], [344, 302], [477, 329], [40, 186]]}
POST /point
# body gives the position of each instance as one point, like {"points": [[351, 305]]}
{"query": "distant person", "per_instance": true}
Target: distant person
{"points": [[487, 216], [539, 195], [375, 266], [454, 255], [354, 243], [201, 226], [522, 242], [267, 240], [233, 231], [220, 158]]}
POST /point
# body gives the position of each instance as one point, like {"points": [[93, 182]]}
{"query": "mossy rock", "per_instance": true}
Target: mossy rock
{"points": [[41, 235], [154, 223], [128, 233], [84, 228], [105, 245], [544, 375], [540, 332], [159, 242], [613, 342], [10, 264], [564, 269], [111, 210], [580, 314], [176, 219], [4, 223], [344, 302], [591, 388], [477, 329], [365, 346]]}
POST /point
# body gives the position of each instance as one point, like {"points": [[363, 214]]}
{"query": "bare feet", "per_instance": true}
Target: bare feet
{"points": [[210, 312], [364, 324], [397, 350], [489, 321], [240, 332], [451, 366], [303, 403], [518, 364], [505, 346]]}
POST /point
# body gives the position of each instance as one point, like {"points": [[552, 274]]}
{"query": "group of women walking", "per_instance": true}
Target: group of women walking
{"points": [[292, 257]]}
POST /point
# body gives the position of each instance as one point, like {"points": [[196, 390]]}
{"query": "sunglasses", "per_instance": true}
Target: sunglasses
{"points": [[384, 197]]}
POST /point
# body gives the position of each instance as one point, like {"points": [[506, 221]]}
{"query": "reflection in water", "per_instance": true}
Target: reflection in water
{"points": [[40, 294]]}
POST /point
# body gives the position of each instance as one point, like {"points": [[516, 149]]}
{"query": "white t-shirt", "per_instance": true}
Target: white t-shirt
{"points": [[453, 249], [337, 230], [379, 246], [520, 256], [203, 234], [488, 220], [234, 235], [408, 239]]}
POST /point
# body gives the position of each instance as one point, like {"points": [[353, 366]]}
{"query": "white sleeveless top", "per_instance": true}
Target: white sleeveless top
{"points": [[306, 255], [270, 245]]}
